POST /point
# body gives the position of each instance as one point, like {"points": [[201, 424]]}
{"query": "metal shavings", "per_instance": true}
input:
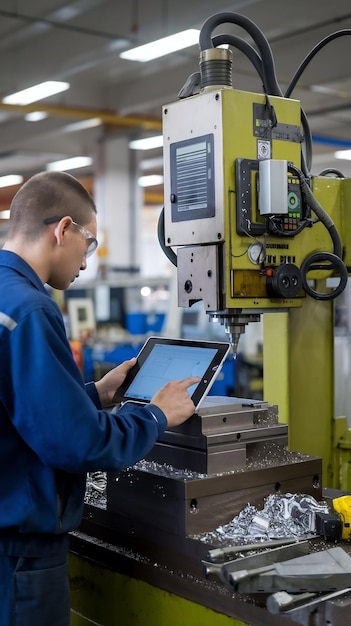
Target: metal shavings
{"points": [[169, 471], [266, 454], [95, 494], [121, 550], [283, 516], [97, 481], [211, 585], [267, 418]]}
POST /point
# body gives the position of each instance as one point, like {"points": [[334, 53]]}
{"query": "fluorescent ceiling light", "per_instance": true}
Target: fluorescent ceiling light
{"points": [[343, 154], [161, 47], [69, 164], [324, 89], [35, 116], [150, 181], [10, 179], [37, 92], [82, 125], [147, 144], [5, 215]]}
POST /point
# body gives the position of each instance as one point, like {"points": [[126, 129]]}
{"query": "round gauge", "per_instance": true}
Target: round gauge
{"points": [[255, 253]]}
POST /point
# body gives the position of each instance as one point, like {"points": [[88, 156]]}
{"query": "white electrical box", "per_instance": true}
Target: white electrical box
{"points": [[273, 187]]}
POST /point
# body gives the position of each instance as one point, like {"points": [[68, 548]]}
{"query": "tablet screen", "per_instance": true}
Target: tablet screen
{"points": [[162, 360]]}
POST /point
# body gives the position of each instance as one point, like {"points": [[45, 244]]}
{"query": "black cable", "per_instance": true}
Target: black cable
{"points": [[332, 170], [245, 48], [268, 67], [311, 54], [263, 64], [170, 254], [194, 80], [323, 216], [273, 229], [306, 163], [317, 208], [334, 261], [297, 75]]}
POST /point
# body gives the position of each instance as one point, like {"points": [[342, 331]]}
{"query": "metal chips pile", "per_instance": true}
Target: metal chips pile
{"points": [[283, 515]]}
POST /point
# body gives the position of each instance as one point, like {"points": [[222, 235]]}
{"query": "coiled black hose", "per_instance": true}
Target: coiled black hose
{"points": [[268, 66]]}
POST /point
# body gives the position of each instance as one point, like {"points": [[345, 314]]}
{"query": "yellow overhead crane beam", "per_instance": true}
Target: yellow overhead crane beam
{"points": [[107, 117]]}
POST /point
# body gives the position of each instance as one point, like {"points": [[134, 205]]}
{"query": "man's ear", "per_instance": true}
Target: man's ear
{"points": [[61, 228]]}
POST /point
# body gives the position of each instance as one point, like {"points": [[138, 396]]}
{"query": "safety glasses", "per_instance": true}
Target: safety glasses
{"points": [[91, 241]]}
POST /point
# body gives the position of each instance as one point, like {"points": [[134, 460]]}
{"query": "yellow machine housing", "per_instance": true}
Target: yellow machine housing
{"points": [[217, 204]]}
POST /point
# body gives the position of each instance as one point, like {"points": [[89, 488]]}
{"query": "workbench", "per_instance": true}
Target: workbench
{"points": [[119, 581], [111, 586], [138, 557]]}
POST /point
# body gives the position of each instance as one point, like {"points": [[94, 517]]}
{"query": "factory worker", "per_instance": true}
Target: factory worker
{"points": [[53, 428]]}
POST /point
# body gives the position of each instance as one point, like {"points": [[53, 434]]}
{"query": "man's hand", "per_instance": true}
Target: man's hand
{"points": [[174, 400], [107, 386]]}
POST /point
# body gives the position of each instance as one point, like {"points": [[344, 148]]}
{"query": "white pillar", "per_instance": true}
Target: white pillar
{"points": [[118, 200]]}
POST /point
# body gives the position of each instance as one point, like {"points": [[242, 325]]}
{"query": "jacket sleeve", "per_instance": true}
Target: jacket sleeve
{"points": [[93, 394], [53, 413]]}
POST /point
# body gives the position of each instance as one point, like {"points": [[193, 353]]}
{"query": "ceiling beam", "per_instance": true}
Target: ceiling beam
{"points": [[107, 117]]}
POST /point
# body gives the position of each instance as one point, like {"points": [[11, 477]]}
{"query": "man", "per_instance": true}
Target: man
{"points": [[53, 428]]}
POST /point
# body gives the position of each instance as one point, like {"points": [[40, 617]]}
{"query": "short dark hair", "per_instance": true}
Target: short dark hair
{"points": [[45, 195]]}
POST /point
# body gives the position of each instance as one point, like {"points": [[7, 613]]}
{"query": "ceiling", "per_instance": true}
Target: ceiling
{"points": [[80, 42]]}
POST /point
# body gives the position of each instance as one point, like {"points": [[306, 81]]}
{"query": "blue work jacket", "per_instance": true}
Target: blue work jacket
{"points": [[52, 427]]}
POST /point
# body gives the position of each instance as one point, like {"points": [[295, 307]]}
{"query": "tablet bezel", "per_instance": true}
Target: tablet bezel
{"points": [[207, 379]]}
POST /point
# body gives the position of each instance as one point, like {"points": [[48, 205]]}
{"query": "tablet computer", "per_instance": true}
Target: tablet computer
{"points": [[161, 360]]}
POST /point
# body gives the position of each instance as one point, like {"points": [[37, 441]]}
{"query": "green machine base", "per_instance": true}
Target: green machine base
{"points": [[106, 598]]}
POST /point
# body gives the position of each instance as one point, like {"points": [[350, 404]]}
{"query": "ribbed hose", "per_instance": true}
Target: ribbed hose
{"points": [[216, 67], [268, 67]]}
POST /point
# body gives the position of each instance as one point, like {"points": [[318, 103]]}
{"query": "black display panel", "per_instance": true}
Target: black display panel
{"points": [[192, 178]]}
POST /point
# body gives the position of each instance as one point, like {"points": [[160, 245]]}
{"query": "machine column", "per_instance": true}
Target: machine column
{"points": [[299, 376]]}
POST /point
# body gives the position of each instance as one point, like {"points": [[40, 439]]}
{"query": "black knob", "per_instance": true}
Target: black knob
{"points": [[284, 281]]}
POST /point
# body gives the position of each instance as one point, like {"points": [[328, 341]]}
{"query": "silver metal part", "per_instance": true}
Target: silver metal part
{"points": [[273, 187], [198, 276], [283, 601], [225, 553], [234, 322], [216, 67], [325, 571], [328, 608], [221, 435]]}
